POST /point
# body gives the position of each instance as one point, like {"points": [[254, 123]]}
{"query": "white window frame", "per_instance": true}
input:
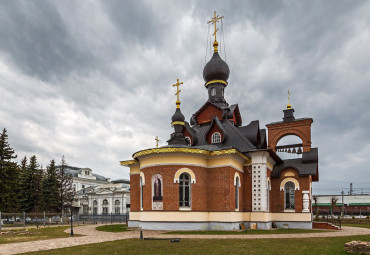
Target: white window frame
{"points": [[141, 193], [95, 207], [237, 194], [213, 91], [216, 137], [182, 186], [290, 195], [188, 139], [105, 207], [117, 207]]}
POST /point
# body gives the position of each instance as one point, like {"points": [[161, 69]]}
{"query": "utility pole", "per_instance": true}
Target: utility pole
{"points": [[342, 203]]}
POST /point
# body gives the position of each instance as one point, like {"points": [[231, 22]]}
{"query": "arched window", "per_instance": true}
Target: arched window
{"points": [[105, 206], [289, 188], [141, 193], [117, 207], [216, 137], [237, 193], [213, 92], [95, 207], [188, 140], [185, 190]]}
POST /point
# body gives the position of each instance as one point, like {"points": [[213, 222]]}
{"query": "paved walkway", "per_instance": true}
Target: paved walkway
{"points": [[91, 235]]}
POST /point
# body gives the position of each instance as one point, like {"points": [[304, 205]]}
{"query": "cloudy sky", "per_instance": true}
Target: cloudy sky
{"points": [[92, 80]]}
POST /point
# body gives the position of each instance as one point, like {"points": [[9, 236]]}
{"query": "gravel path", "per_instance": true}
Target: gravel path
{"points": [[91, 235]]}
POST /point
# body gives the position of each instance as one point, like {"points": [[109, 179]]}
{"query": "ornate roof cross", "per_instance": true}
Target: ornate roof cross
{"points": [[156, 140], [177, 84], [289, 105], [214, 21]]}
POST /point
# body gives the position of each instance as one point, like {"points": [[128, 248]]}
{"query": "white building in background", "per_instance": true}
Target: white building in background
{"points": [[105, 199], [98, 195], [83, 178]]}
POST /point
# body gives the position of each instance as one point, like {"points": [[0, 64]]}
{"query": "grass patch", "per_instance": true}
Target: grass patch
{"points": [[113, 228], [32, 234], [247, 232], [304, 246], [357, 225]]}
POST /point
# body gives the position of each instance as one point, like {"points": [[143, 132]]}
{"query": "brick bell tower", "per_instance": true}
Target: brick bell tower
{"points": [[290, 126]]}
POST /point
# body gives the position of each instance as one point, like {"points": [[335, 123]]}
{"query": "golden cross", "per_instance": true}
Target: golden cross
{"points": [[289, 105], [214, 21], [177, 84], [157, 140]]}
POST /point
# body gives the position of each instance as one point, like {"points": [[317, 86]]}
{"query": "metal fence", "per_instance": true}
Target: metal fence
{"points": [[44, 219]]}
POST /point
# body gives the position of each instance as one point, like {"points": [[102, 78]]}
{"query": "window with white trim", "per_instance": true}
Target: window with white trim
{"points": [[188, 140], [117, 207], [216, 137], [237, 193], [95, 207], [289, 190], [141, 193], [105, 206], [213, 92], [85, 209], [185, 190]]}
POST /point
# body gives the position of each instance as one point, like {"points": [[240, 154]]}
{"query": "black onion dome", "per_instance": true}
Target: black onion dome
{"points": [[178, 116], [216, 69]]}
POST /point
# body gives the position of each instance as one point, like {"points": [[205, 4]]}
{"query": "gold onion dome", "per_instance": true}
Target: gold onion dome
{"points": [[216, 69]]}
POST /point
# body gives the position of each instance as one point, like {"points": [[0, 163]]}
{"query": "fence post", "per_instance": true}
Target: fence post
{"points": [[44, 219], [111, 219], [24, 219], [0, 222]]}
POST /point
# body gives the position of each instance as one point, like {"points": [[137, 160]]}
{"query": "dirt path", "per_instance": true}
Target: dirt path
{"points": [[91, 235]]}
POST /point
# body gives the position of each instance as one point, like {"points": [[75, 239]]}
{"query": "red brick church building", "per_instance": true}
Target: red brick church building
{"points": [[216, 173]]}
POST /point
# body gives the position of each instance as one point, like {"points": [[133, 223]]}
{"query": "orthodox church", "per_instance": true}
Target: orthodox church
{"points": [[216, 173]]}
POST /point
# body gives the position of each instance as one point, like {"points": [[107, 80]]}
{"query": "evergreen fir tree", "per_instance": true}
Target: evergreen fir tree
{"points": [[8, 175], [50, 192], [24, 185], [30, 190]]}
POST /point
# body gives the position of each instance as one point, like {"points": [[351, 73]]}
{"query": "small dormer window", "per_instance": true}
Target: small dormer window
{"points": [[188, 140], [213, 92], [86, 172], [216, 137]]}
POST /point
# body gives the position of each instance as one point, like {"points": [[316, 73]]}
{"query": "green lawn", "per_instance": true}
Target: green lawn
{"points": [[247, 232], [32, 234], [305, 246], [113, 228]]}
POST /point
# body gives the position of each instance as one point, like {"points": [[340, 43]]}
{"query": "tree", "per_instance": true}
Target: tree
{"points": [[50, 191], [317, 209], [333, 201], [65, 185], [30, 185], [8, 175]]}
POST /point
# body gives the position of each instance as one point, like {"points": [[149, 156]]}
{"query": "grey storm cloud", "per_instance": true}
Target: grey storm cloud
{"points": [[92, 80]]}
